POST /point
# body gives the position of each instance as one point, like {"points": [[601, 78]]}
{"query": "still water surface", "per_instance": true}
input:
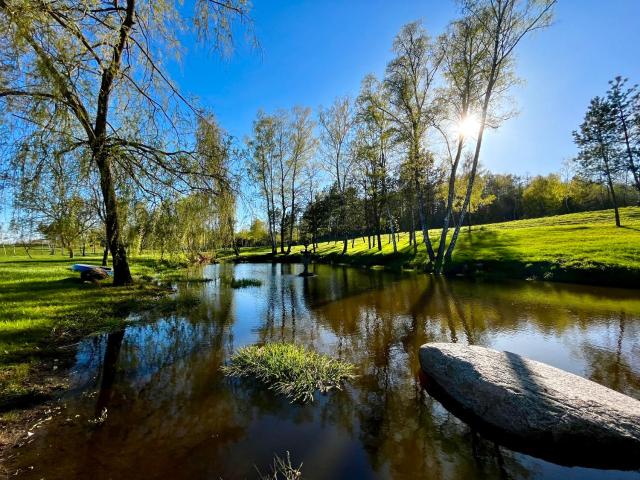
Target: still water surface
{"points": [[171, 414]]}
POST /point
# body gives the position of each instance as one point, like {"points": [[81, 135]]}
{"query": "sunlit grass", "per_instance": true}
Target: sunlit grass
{"points": [[290, 369], [43, 304]]}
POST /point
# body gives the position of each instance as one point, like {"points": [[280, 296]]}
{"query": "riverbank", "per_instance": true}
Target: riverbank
{"points": [[577, 248], [45, 309]]}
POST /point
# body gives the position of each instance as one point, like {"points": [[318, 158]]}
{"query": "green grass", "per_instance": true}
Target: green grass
{"points": [[44, 305], [581, 247], [290, 369]]}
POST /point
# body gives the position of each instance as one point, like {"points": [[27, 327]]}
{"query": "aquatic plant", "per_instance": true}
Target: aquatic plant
{"points": [[100, 419], [245, 282], [282, 468], [290, 369]]}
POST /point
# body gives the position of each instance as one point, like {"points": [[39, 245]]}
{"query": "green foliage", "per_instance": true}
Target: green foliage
{"points": [[290, 369], [544, 195]]}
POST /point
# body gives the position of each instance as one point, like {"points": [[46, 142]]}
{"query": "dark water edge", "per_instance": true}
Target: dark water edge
{"points": [[170, 413], [594, 274]]}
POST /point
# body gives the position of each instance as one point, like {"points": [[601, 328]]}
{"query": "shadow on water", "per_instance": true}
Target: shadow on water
{"points": [[172, 414]]}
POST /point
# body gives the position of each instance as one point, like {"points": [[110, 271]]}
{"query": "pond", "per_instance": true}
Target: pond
{"points": [[170, 413]]}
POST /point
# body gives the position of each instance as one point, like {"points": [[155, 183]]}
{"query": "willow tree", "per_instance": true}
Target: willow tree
{"points": [[218, 183], [97, 64], [53, 199]]}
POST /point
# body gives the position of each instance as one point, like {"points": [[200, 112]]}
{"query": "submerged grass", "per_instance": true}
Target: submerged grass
{"points": [[282, 469], [290, 369], [245, 282]]}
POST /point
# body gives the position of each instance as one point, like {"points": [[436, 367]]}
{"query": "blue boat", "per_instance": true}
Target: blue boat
{"points": [[81, 267]]}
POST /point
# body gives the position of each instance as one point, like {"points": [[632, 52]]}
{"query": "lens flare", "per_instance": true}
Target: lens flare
{"points": [[468, 126]]}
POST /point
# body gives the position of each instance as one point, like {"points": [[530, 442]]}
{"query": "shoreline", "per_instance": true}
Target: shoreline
{"points": [[598, 276]]}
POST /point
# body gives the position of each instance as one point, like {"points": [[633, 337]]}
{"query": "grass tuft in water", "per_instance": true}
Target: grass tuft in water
{"points": [[245, 282], [290, 369], [282, 469]]}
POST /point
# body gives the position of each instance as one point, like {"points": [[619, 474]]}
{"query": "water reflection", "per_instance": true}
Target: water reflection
{"points": [[172, 415]]}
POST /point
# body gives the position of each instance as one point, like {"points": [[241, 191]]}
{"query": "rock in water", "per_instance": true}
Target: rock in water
{"points": [[534, 407]]}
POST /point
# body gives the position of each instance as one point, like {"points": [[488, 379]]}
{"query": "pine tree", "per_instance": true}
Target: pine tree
{"points": [[625, 103], [600, 156]]}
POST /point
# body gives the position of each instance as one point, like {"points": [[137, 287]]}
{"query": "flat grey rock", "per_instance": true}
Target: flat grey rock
{"points": [[534, 406]]}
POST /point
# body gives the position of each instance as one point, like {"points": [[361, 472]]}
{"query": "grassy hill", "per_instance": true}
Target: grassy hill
{"points": [[579, 247]]}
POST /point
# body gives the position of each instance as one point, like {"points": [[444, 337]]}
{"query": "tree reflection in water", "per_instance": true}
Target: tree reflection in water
{"points": [[171, 414]]}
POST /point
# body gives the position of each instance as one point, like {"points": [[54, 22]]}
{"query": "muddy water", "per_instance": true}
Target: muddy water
{"points": [[168, 412]]}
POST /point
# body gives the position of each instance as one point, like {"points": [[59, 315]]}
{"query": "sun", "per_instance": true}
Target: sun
{"points": [[468, 126]]}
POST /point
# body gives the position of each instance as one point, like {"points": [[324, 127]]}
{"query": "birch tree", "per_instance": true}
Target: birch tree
{"points": [[502, 26], [337, 124], [409, 84]]}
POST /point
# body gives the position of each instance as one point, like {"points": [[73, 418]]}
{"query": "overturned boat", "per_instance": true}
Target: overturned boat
{"points": [[92, 273]]}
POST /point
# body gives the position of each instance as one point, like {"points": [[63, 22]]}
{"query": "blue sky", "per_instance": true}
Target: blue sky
{"points": [[312, 51]]}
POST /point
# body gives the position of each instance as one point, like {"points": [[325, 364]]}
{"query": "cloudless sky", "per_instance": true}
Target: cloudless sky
{"points": [[313, 51]]}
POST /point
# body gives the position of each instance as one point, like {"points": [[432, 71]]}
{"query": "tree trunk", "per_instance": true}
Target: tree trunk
{"points": [[105, 256], [423, 220], [450, 199], [612, 192], [632, 165], [121, 272], [472, 175], [392, 227], [413, 230]]}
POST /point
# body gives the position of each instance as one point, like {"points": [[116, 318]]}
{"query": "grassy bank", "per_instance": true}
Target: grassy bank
{"points": [[44, 307], [580, 247]]}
